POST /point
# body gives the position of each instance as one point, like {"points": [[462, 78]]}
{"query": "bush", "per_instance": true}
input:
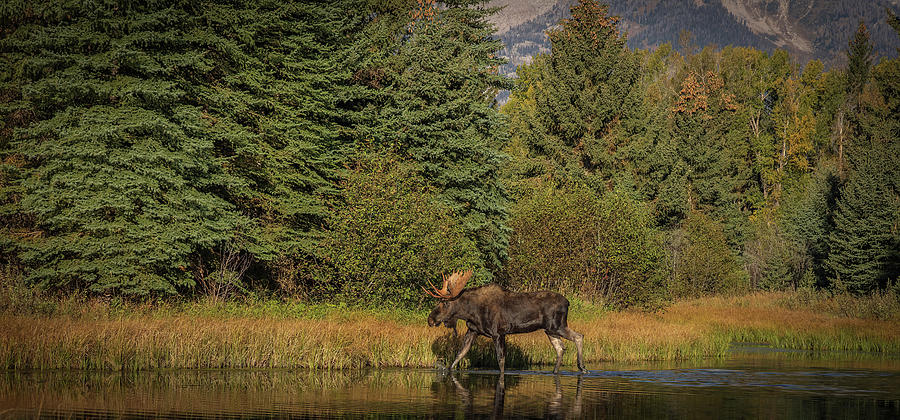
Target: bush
{"points": [[388, 235], [774, 261], [702, 263], [570, 239]]}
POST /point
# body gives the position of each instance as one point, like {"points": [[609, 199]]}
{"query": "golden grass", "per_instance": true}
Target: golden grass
{"points": [[763, 318], [344, 339], [178, 342]]}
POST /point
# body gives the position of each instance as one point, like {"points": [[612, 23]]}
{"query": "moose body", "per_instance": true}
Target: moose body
{"points": [[494, 312]]}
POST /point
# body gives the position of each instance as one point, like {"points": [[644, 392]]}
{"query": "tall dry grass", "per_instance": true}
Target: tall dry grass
{"points": [[283, 335], [183, 342], [769, 318], [179, 342]]}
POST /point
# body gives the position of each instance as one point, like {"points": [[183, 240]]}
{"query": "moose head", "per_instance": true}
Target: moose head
{"points": [[452, 287]]}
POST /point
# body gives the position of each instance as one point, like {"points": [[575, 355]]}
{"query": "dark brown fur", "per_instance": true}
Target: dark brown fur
{"points": [[494, 312]]}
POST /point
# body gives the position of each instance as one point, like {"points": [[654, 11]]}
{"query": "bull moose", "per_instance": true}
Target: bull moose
{"points": [[494, 312]]}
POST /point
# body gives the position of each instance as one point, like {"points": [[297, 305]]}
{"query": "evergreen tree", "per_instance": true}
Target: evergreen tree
{"points": [[705, 161], [863, 240], [528, 163], [894, 21], [279, 120], [121, 178], [859, 60], [157, 133], [433, 104], [586, 88], [865, 244]]}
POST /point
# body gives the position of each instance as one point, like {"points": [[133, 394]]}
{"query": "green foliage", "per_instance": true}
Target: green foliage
{"points": [[788, 247], [806, 217], [772, 260], [864, 241], [573, 101], [571, 239], [150, 135], [170, 147], [388, 236], [432, 104], [726, 133], [701, 261], [859, 59], [120, 178]]}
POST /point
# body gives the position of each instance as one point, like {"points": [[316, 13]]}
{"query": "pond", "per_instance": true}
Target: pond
{"points": [[750, 383]]}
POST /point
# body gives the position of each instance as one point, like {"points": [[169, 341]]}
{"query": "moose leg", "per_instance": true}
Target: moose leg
{"points": [[568, 334], [500, 347], [451, 324], [467, 342], [559, 347]]}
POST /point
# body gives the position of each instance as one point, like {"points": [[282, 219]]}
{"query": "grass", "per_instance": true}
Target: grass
{"points": [[775, 318], [95, 334]]}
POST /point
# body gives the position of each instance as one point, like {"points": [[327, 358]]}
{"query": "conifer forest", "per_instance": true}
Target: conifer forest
{"points": [[350, 151]]}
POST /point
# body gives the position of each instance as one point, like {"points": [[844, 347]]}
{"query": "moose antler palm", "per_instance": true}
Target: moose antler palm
{"points": [[452, 286]]}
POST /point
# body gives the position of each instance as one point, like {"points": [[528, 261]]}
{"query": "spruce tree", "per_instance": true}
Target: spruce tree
{"points": [[433, 103], [862, 244], [703, 164], [121, 178], [893, 20], [585, 88], [157, 133], [279, 119], [859, 60], [865, 244]]}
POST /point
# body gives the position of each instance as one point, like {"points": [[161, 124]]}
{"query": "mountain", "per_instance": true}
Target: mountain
{"points": [[807, 29]]}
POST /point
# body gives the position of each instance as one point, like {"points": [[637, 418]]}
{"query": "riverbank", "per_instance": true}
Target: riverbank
{"points": [[109, 335]]}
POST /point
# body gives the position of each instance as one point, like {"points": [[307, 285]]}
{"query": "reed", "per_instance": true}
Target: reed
{"points": [[104, 336]]}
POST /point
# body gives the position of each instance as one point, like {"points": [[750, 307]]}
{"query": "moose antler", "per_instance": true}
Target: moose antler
{"points": [[438, 293], [452, 286]]}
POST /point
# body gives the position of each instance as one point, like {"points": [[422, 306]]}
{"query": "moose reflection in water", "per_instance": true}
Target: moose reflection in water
{"points": [[770, 385], [555, 407], [494, 312]]}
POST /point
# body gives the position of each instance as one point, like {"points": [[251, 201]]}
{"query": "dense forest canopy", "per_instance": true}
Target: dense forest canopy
{"points": [[326, 149]]}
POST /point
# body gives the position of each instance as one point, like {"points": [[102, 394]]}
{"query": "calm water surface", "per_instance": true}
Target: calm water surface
{"points": [[750, 384]]}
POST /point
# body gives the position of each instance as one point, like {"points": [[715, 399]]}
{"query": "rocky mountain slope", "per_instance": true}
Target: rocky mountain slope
{"points": [[808, 29]]}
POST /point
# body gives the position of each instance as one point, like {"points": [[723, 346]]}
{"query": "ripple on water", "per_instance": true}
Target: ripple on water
{"points": [[735, 388]]}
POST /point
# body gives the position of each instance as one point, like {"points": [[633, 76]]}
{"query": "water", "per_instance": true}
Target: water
{"points": [[750, 384]]}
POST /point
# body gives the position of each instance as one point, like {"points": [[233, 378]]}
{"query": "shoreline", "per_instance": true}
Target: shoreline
{"points": [[340, 338]]}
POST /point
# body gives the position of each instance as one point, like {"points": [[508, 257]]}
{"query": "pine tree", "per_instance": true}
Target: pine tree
{"points": [[158, 133], [433, 104], [863, 236], [585, 89], [859, 60]]}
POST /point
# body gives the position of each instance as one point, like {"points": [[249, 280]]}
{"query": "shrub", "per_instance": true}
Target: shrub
{"points": [[388, 235], [570, 239], [773, 260], [702, 263]]}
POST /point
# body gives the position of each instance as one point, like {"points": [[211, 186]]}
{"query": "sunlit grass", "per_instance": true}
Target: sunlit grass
{"points": [[182, 342], [765, 318], [104, 335]]}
